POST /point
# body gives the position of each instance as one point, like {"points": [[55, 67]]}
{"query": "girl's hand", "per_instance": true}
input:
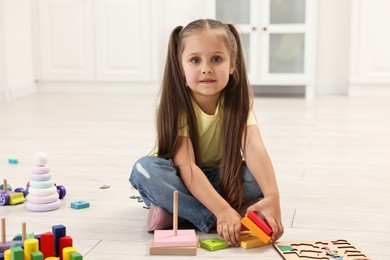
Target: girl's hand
{"points": [[229, 226], [269, 207]]}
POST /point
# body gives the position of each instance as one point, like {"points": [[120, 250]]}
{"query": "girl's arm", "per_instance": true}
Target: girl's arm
{"points": [[228, 220], [259, 164]]}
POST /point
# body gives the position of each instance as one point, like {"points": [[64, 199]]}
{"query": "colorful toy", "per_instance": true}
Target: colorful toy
{"points": [[4, 243], [42, 248], [80, 204], [213, 244], [170, 242], [7, 196], [246, 221], [337, 249], [260, 222], [43, 194], [250, 240], [13, 161]]}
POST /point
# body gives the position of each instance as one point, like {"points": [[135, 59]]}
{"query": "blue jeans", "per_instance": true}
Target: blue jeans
{"points": [[156, 179]]}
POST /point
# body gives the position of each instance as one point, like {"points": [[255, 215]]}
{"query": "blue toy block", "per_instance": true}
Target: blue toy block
{"points": [[13, 161], [1, 256], [80, 204], [58, 231]]}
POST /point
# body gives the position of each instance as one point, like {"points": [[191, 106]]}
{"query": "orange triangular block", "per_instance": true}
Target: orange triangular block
{"points": [[256, 230]]}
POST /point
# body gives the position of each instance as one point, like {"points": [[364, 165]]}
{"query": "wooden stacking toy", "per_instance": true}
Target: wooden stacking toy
{"points": [[54, 245], [258, 226], [174, 242], [43, 194]]}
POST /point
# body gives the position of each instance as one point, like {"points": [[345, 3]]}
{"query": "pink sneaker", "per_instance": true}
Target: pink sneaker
{"points": [[158, 218]]}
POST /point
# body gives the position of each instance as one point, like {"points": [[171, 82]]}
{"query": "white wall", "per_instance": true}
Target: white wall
{"points": [[333, 35], [16, 41], [16, 49]]}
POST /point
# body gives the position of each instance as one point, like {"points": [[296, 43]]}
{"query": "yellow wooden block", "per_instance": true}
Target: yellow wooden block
{"points": [[7, 254], [256, 230], [67, 251], [52, 258], [16, 198], [250, 240], [30, 245]]}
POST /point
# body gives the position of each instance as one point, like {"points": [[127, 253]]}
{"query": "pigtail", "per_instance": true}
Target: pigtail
{"points": [[175, 108], [236, 110], [167, 120]]}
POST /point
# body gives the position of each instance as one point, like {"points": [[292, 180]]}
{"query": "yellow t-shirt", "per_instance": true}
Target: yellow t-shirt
{"points": [[209, 129]]}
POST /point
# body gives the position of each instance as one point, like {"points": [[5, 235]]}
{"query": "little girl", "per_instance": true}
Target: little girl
{"points": [[209, 147]]}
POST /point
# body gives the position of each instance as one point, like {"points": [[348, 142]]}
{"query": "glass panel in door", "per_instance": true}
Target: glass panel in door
{"points": [[287, 11], [286, 52]]}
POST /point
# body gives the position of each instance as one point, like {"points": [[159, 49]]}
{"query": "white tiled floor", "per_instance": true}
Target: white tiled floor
{"points": [[331, 155]]}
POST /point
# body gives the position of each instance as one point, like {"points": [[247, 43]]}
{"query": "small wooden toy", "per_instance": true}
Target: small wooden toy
{"points": [[7, 196], [13, 161], [58, 231], [213, 244], [80, 204], [28, 249], [337, 249], [47, 244], [250, 240], [17, 253], [65, 242], [256, 230], [174, 239], [43, 194], [260, 222], [4, 243]]}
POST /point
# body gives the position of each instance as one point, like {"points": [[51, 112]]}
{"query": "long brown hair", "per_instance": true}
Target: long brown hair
{"points": [[175, 105]]}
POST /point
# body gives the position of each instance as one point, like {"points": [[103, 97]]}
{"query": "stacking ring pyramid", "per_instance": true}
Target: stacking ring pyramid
{"points": [[42, 194]]}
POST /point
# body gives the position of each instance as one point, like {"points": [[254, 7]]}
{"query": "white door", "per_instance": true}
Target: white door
{"points": [[278, 38], [66, 47]]}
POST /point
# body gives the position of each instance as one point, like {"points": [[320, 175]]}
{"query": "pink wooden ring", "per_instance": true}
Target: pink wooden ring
{"points": [[41, 169], [42, 199], [43, 207], [41, 177]]}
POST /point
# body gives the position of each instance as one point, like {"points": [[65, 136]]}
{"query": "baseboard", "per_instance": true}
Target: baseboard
{"points": [[369, 90], [99, 87], [7, 93]]}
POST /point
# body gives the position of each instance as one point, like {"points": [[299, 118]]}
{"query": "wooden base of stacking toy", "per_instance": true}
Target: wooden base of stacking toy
{"points": [[174, 242]]}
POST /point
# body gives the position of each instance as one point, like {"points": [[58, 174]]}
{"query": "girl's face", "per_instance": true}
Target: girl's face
{"points": [[206, 64]]}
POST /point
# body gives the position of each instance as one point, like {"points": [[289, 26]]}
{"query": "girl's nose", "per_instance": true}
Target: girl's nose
{"points": [[207, 71]]}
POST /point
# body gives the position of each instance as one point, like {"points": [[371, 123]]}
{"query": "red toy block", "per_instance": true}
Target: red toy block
{"points": [[260, 222], [47, 244], [256, 230], [65, 241]]}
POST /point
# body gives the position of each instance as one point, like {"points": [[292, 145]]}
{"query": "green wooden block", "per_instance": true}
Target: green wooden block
{"points": [[213, 244], [76, 256], [36, 255], [17, 253]]}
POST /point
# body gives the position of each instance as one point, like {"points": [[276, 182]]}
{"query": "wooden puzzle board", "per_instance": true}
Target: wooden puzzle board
{"points": [[333, 249]]}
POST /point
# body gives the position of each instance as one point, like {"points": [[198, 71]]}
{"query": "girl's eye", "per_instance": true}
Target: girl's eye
{"points": [[217, 59], [195, 60]]}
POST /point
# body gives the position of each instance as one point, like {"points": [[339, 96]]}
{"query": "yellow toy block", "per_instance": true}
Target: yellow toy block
{"points": [[16, 198], [51, 258], [30, 245], [67, 251], [256, 230], [7, 254], [250, 240]]}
